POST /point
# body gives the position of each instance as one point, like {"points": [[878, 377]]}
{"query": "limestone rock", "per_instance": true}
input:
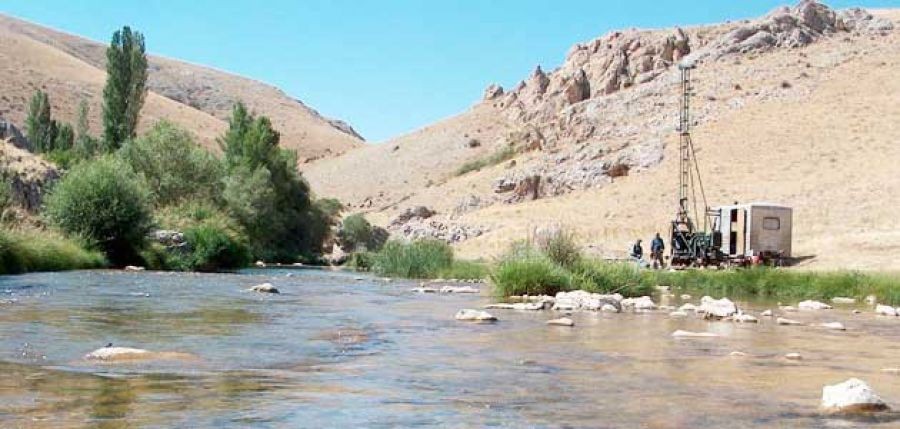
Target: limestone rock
{"points": [[885, 310], [836, 326], [851, 396], [563, 321], [492, 92], [788, 322], [470, 315], [134, 268], [264, 288], [689, 334], [793, 356], [767, 313], [678, 313], [813, 305], [459, 289], [640, 303], [717, 308], [745, 318]]}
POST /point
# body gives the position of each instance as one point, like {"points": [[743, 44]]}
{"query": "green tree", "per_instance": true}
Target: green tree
{"points": [[65, 137], [85, 144], [105, 203], [174, 167], [126, 80], [39, 126]]}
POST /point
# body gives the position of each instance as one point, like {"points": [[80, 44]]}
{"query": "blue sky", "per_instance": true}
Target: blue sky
{"points": [[387, 67]]}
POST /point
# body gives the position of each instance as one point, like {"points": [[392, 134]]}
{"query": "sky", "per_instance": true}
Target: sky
{"points": [[386, 67]]}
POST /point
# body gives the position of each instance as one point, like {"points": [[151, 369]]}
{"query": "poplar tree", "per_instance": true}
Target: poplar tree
{"points": [[39, 126], [126, 87]]}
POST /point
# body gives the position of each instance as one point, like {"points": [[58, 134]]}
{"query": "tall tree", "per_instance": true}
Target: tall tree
{"points": [[39, 125], [85, 144], [126, 87]]}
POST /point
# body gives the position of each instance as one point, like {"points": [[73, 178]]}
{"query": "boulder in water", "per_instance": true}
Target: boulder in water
{"points": [[125, 354], [459, 289], [885, 310], [788, 322], [717, 308], [688, 334], [813, 305], [264, 288], [851, 396], [134, 268], [470, 315], [836, 326], [563, 321]]}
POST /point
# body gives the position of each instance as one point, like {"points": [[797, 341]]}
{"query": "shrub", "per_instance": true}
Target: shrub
{"points": [[561, 247], [105, 203], [357, 233], [361, 261], [172, 164], [606, 277], [30, 250], [418, 259], [464, 270], [530, 274], [215, 240], [504, 154], [214, 249]]}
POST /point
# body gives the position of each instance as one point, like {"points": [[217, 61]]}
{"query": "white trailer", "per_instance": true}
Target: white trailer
{"points": [[755, 229]]}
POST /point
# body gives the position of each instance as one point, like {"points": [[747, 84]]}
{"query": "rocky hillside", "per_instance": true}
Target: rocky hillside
{"points": [[785, 105], [71, 68]]}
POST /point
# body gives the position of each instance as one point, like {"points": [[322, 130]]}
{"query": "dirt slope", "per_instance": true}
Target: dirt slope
{"points": [[813, 126], [72, 68]]}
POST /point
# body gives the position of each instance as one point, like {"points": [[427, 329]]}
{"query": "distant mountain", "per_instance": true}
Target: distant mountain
{"points": [[799, 106], [71, 68]]}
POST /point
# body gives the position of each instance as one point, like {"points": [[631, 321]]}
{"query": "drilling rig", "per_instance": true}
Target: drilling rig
{"points": [[692, 244]]}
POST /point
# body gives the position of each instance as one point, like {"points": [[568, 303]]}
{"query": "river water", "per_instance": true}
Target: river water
{"points": [[336, 351]]}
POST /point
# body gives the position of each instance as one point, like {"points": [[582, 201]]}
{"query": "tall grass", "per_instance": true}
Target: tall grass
{"points": [[417, 260], [529, 274], [604, 277], [504, 154], [29, 250], [465, 270]]}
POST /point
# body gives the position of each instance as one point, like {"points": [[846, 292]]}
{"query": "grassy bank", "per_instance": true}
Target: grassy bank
{"points": [[420, 259], [30, 250]]}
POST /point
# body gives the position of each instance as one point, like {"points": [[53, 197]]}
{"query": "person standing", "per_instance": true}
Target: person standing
{"points": [[657, 247]]}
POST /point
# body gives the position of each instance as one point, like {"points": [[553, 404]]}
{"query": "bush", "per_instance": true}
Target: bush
{"points": [[418, 259], [215, 240], [464, 270], [530, 274], [361, 261], [172, 164], [30, 250], [357, 233], [106, 203], [214, 249], [605, 277], [507, 153], [561, 247]]}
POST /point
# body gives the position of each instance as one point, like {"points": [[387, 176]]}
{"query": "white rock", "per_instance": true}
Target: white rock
{"points": [[264, 288], [641, 303], [609, 308], [891, 370], [793, 356], [688, 307], [424, 289], [116, 353], [789, 309], [459, 289], [813, 305], [688, 334], [790, 322], [582, 300], [737, 354], [843, 300], [745, 318], [260, 264], [719, 308], [885, 310], [527, 306], [853, 395], [685, 296], [837, 326], [767, 313], [134, 268], [470, 315], [678, 314], [563, 321]]}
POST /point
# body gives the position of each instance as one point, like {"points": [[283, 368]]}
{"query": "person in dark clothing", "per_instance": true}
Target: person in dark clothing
{"points": [[637, 252], [657, 246]]}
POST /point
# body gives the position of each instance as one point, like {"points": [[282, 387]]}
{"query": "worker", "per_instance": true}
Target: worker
{"points": [[657, 246], [637, 252]]}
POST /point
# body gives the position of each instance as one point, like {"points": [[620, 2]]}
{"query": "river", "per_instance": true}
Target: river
{"points": [[335, 350]]}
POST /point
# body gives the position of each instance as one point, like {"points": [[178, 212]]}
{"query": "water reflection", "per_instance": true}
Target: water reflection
{"points": [[334, 352]]}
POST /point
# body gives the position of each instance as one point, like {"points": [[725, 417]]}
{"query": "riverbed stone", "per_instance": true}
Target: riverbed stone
{"points": [[745, 318], [789, 309], [424, 289], [885, 310], [813, 305], [525, 306], [737, 354], [609, 308], [688, 307], [767, 313], [678, 313], [836, 326], [459, 289], [851, 396], [843, 300], [717, 308], [685, 296], [788, 322], [688, 334], [793, 356], [134, 268], [470, 315], [562, 321], [260, 264], [117, 354], [264, 288], [639, 303]]}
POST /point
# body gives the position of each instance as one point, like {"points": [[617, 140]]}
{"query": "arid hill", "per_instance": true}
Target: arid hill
{"points": [[71, 68], [798, 107]]}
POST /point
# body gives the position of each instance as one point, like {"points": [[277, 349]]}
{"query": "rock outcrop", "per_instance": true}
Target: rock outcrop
{"points": [[28, 175]]}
